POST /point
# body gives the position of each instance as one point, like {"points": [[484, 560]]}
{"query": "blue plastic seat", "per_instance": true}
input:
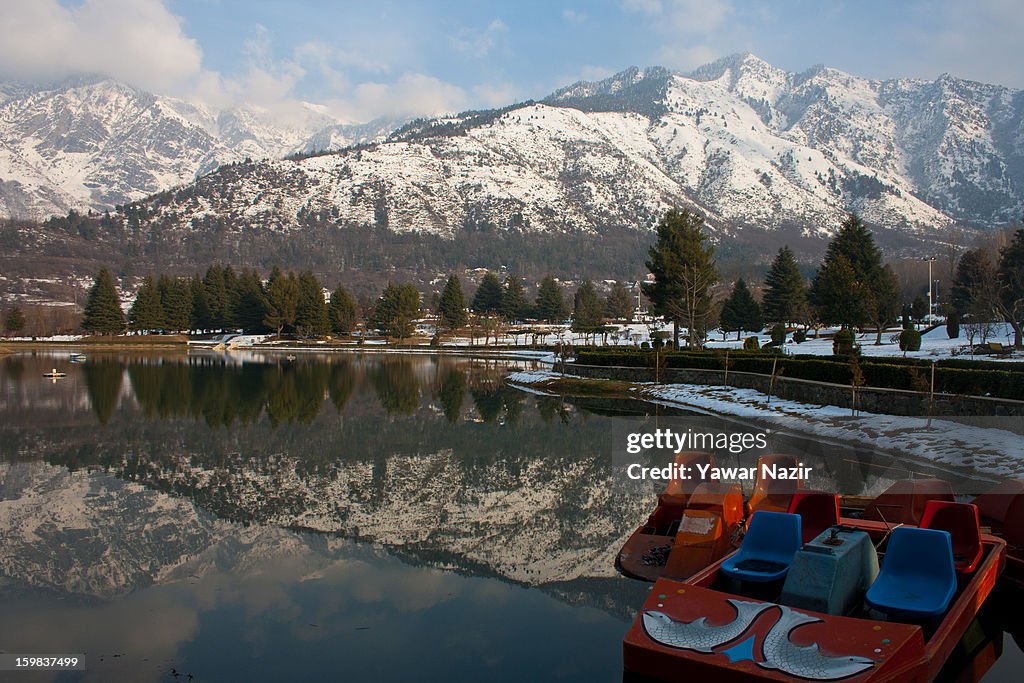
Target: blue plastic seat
{"points": [[918, 576], [768, 547]]}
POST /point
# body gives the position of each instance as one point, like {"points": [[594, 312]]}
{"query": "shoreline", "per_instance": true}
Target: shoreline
{"points": [[993, 452]]}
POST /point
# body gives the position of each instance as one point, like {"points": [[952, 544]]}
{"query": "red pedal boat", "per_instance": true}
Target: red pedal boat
{"points": [[780, 609], [694, 522]]}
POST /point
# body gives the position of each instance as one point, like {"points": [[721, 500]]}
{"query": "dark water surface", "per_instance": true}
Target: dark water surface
{"points": [[353, 517]]}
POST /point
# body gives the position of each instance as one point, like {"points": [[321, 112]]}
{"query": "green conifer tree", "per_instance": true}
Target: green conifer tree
{"points": [[550, 304], [487, 299], [343, 310], [451, 308], [740, 311], [282, 299], [513, 300], [683, 265], [103, 314], [619, 303], [147, 311], [311, 315], [785, 294], [588, 309], [14, 321]]}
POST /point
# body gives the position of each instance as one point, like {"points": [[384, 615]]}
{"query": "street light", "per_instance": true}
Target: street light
{"points": [[930, 260]]}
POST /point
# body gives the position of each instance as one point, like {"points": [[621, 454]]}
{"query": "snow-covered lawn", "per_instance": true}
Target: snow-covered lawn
{"points": [[989, 450], [934, 344]]}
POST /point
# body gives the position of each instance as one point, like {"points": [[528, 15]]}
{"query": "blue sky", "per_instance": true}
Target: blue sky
{"points": [[401, 57]]}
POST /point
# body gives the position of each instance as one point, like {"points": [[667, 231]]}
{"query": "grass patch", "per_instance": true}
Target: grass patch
{"points": [[576, 386]]}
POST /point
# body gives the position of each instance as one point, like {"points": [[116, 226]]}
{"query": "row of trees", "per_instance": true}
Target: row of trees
{"points": [[852, 288], [222, 299], [219, 300], [990, 286], [508, 300]]}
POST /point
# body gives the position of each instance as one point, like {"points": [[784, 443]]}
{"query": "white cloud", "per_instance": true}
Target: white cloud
{"points": [[574, 17], [478, 43], [137, 41], [688, 29], [412, 94]]}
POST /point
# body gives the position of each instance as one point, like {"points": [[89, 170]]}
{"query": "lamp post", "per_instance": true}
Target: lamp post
{"points": [[930, 260]]}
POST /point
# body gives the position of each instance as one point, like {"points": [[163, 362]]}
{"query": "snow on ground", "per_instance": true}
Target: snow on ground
{"points": [[934, 345], [989, 450]]}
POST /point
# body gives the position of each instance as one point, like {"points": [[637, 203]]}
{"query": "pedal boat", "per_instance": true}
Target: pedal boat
{"points": [[695, 522], [833, 615]]}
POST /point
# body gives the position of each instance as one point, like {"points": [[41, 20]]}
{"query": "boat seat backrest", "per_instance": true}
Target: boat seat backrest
{"points": [[818, 511], [768, 547], [961, 521], [690, 460], [904, 501], [918, 576]]}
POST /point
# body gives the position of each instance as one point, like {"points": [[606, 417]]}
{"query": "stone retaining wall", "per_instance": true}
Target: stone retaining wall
{"points": [[869, 399]]}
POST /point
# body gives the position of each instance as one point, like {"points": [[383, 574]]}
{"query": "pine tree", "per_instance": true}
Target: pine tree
{"points": [[488, 295], [513, 300], [683, 265], [248, 300], [103, 313], [619, 304], [343, 310], [550, 304], [451, 308], [202, 315], [1010, 277], [396, 311], [740, 311], [176, 300], [785, 294], [311, 317], [233, 307], [147, 311], [14, 321], [216, 297], [860, 291], [588, 309], [972, 272], [282, 300]]}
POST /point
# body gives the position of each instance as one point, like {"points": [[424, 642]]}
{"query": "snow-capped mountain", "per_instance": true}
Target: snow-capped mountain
{"points": [[95, 143], [746, 143]]}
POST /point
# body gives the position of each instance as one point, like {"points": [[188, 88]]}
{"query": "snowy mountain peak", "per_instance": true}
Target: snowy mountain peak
{"points": [[745, 142]]}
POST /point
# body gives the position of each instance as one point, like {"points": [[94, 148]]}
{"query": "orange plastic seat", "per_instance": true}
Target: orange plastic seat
{"points": [[690, 459], [961, 521], [706, 528], [774, 495], [818, 511], [905, 500]]}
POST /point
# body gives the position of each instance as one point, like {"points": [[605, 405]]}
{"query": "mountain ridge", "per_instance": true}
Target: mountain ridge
{"points": [[748, 144]]}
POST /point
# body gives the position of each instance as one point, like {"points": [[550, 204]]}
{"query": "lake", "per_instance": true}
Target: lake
{"points": [[244, 517]]}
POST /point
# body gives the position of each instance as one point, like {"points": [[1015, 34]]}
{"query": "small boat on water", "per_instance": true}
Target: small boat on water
{"points": [[53, 374], [696, 522], [784, 609], [77, 358]]}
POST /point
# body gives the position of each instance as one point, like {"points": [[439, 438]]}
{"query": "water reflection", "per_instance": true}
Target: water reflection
{"points": [[209, 501]]}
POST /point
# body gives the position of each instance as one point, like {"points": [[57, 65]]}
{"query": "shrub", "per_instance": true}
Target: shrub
{"points": [[751, 344], [842, 343], [953, 326], [910, 340], [779, 334], [800, 336]]}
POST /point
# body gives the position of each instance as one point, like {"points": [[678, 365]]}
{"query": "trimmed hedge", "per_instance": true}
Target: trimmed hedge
{"points": [[955, 376]]}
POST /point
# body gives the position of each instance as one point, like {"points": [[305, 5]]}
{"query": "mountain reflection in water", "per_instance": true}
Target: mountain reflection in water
{"points": [[260, 519]]}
